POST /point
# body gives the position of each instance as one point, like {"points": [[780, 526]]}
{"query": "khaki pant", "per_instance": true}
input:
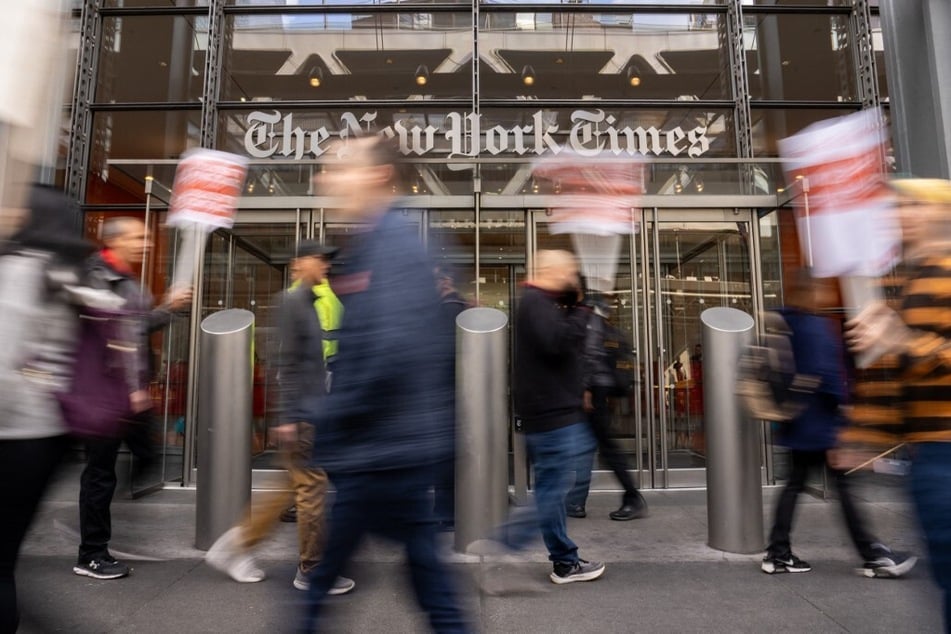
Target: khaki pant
{"points": [[308, 491]]}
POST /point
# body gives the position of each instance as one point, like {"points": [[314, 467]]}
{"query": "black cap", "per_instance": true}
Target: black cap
{"points": [[312, 248]]}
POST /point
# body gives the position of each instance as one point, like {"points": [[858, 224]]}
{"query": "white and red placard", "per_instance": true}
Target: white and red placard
{"points": [[208, 184], [847, 224], [595, 204], [595, 196]]}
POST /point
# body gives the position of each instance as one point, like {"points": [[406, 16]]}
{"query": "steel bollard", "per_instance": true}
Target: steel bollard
{"points": [[224, 423], [734, 443], [482, 423]]}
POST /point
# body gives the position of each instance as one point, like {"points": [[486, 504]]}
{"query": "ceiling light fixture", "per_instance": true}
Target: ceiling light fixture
{"points": [[528, 76], [422, 75], [316, 77], [633, 79]]}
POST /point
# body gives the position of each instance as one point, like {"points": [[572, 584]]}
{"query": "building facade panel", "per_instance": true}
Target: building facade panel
{"points": [[475, 94]]}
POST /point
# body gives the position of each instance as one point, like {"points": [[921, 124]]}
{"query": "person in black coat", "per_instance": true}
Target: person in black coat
{"points": [[599, 383], [125, 246]]}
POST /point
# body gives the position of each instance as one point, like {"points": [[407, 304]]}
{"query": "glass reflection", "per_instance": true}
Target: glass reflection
{"points": [[795, 56], [118, 135], [771, 125], [603, 55], [108, 4], [152, 59], [332, 56]]}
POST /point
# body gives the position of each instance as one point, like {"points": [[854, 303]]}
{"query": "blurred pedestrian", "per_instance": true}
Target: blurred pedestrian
{"points": [[920, 333], [303, 381], [549, 354], [812, 436], [112, 268], [329, 313], [599, 388], [451, 304], [41, 325], [382, 429]]}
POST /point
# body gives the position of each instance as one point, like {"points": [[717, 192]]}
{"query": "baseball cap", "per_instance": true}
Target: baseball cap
{"points": [[312, 248]]}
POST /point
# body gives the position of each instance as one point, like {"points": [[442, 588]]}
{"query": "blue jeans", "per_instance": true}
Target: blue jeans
{"points": [[394, 504], [555, 455], [930, 485]]}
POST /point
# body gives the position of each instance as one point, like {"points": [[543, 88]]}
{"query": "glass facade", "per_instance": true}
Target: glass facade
{"points": [[475, 94]]}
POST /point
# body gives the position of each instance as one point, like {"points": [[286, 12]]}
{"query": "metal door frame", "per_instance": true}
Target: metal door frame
{"points": [[260, 478], [659, 474]]}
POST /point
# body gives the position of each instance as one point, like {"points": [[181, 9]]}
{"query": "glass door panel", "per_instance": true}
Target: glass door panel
{"points": [[246, 268], [692, 266]]}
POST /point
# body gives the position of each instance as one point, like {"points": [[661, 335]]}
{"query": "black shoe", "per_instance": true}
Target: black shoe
{"points": [[581, 570], [101, 567], [289, 514], [575, 510], [788, 562], [630, 510]]}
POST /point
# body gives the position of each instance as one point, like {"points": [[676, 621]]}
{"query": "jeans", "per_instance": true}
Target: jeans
{"points": [[802, 461], [394, 504], [611, 454], [554, 455], [25, 469], [930, 485], [97, 485]]}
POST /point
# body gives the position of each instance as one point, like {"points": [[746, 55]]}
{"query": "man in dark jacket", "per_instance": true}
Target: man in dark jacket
{"points": [[599, 382], [549, 351], [126, 244], [818, 350], [302, 385], [382, 429]]}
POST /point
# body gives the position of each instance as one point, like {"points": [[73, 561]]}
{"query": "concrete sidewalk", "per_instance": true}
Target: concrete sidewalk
{"points": [[661, 577]]}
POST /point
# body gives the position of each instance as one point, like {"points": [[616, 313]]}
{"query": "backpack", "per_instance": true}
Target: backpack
{"points": [[97, 403], [767, 381], [620, 357]]}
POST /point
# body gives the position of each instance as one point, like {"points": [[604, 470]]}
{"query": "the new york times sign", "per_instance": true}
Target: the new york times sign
{"points": [[592, 133]]}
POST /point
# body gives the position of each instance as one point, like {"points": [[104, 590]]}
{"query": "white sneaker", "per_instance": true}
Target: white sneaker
{"points": [[226, 556]]}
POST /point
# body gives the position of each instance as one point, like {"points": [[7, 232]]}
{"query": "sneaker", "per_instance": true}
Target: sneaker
{"points": [[888, 566], [580, 570], [289, 514], [575, 510], [342, 585], [226, 556], [773, 564], [102, 567]]}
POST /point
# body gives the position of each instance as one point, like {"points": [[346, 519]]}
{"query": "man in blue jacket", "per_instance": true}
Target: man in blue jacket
{"points": [[812, 436], [382, 430]]}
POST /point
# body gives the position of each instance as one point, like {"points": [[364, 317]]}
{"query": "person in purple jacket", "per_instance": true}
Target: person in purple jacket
{"points": [[812, 436]]}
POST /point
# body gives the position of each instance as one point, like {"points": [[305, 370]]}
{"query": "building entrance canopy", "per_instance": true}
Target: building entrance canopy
{"points": [[499, 182]]}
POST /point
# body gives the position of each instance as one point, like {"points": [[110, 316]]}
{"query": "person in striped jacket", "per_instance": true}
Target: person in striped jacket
{"points": [[919, 334]]}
